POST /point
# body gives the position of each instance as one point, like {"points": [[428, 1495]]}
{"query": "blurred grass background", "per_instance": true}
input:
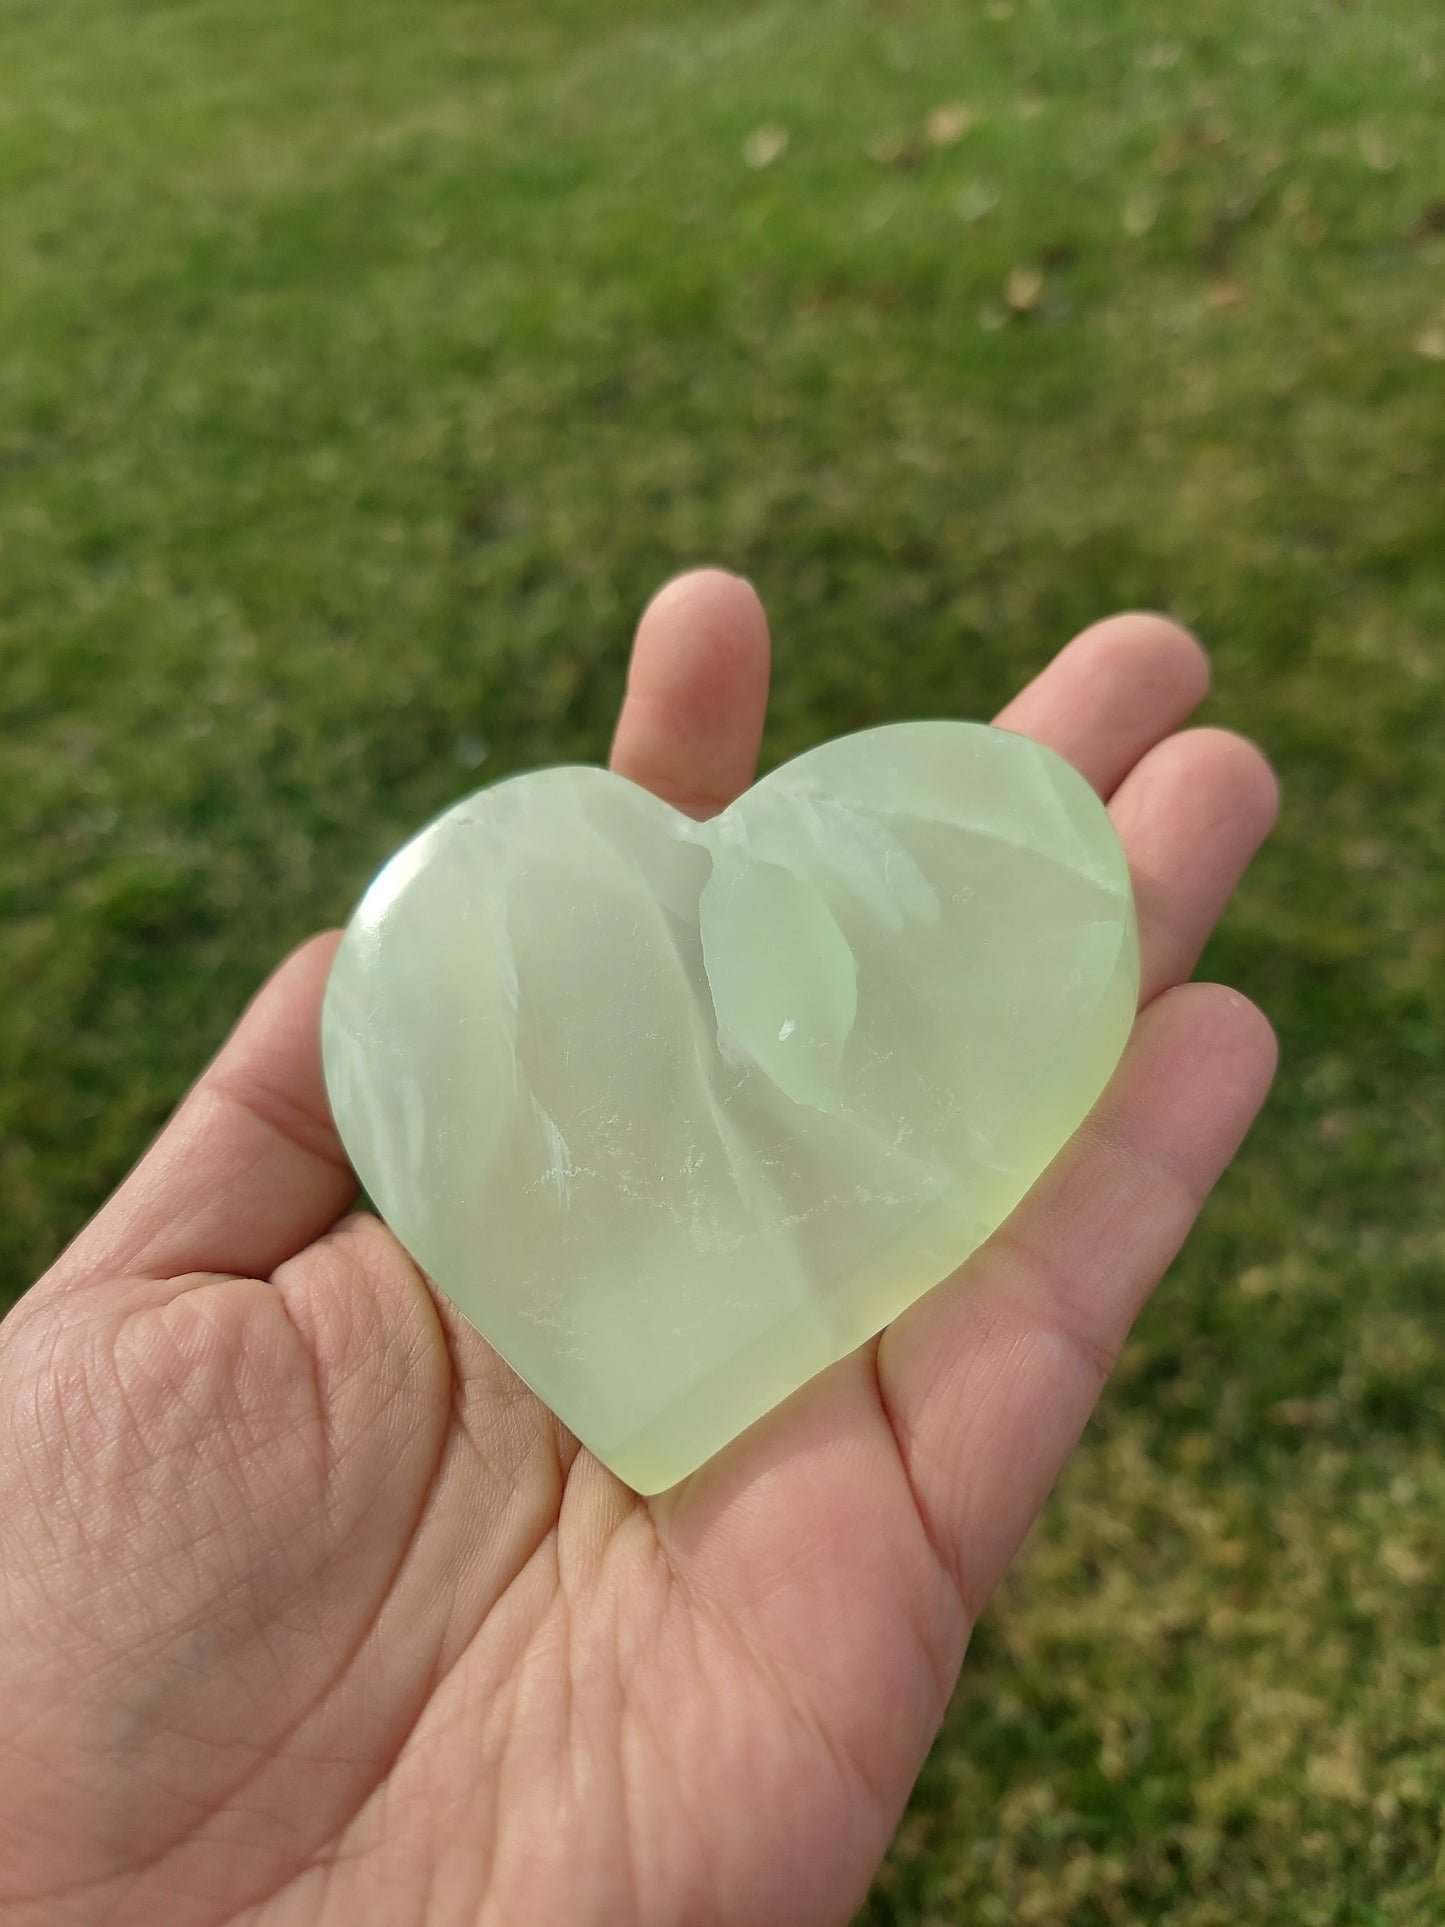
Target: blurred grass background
{"points": [[363, 369]]}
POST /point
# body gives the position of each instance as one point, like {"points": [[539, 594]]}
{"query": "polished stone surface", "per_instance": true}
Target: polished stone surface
{"points": [[678, 1113]]}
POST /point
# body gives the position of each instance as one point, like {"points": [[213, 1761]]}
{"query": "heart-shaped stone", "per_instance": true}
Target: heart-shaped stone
{"points": [[678, 1113]]}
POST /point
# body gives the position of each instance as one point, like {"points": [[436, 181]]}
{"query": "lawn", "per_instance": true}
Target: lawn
{"points": [[363, 368]]}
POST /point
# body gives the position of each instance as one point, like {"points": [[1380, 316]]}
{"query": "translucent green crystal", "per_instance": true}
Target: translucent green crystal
{"points": [[678, 1113]]}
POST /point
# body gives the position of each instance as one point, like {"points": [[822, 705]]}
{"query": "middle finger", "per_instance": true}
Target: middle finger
{"points": [[1111, 695]]}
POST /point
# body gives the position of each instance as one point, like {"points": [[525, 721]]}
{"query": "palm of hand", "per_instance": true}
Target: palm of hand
{"points": [[309, 1609]]}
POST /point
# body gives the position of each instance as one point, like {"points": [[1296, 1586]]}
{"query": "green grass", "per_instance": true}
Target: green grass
{"points": [[363, 368]]}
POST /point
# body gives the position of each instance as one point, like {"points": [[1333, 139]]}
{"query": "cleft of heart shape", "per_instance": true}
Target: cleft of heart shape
{"points": [[678, 1113]]}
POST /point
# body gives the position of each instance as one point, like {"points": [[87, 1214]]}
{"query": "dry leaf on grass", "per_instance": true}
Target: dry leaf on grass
{"points": [[1022, 290], [764, 146], [947, 125]]}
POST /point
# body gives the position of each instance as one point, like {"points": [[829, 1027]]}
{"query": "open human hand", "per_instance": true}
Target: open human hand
{"points": [[310, 1612]]}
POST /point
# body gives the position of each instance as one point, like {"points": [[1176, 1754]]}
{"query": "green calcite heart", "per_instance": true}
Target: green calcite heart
{"points": [[678, 1113]]}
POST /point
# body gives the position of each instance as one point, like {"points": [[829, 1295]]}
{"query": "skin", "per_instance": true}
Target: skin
{"points": [[310, 1612]]}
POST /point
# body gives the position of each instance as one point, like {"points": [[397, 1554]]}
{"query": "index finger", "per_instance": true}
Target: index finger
{"points": [[697, 690]]}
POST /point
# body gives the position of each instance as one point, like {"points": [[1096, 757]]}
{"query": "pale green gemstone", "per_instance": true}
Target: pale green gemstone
{"points": [[678, 1113]]}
